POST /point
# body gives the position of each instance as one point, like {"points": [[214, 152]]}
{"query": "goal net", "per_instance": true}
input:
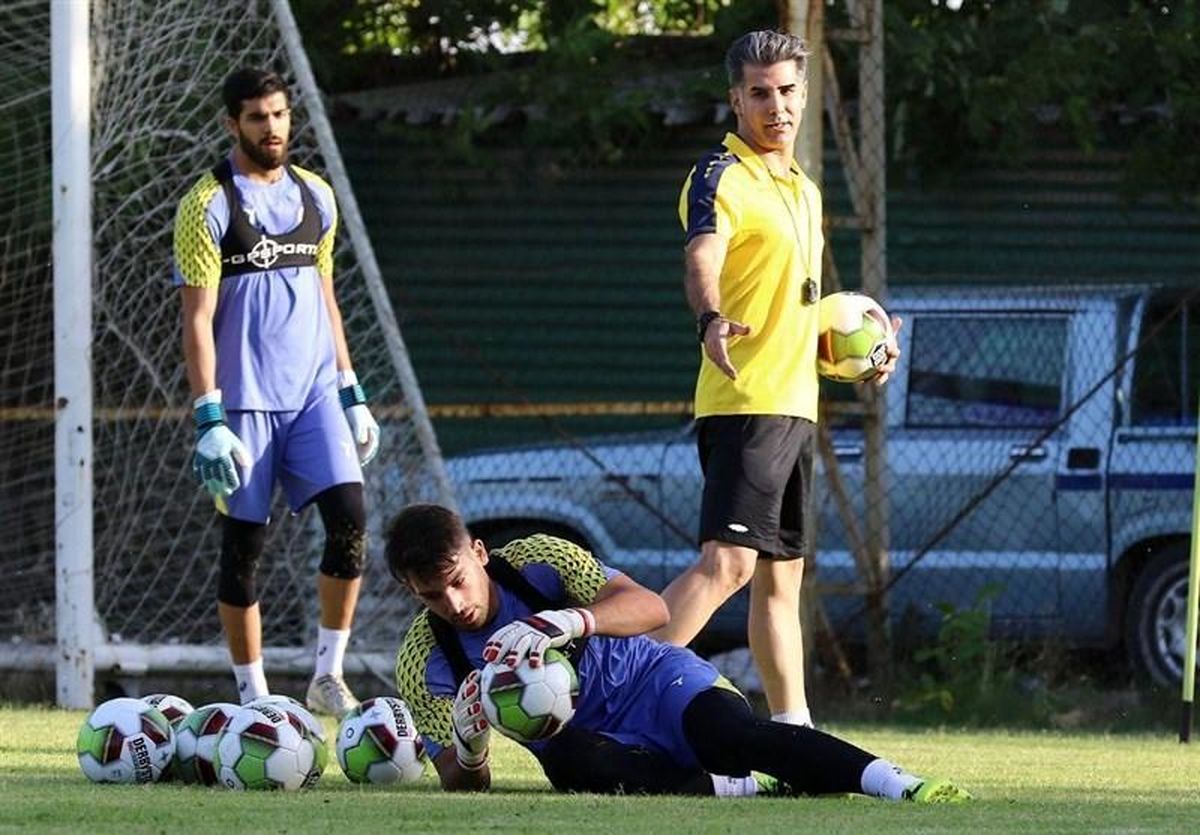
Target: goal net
{"points": [[156, 72]]}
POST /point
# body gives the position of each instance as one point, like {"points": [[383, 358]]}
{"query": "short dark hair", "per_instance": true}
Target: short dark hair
{"points": [[421, 540], [249, 83], [763, 48]]}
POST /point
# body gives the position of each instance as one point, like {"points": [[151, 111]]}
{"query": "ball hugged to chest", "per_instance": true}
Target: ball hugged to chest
{"points": [[530, 703]]}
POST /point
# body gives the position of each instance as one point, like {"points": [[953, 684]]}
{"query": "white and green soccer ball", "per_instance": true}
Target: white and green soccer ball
{"points": [[175, 708], [125, 741], [853, 336], [196, 742], [377, 742], [530, 703], [263, 747], [301, 716], [275, 699]]}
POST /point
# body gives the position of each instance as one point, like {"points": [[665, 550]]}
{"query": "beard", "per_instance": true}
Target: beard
{"points": [[265, 157]]}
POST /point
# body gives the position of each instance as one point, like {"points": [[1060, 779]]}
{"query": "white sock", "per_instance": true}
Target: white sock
{"points": [[724, 786], [882, 779], [331, 651], [794, 717], [251, 680]]}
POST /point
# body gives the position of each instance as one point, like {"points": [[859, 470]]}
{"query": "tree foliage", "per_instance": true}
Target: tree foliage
{"points": [[448, 35], [1002, 77], [997, 76]]}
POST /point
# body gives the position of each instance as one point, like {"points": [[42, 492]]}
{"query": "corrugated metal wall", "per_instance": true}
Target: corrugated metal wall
{"points": [[557, 297]]}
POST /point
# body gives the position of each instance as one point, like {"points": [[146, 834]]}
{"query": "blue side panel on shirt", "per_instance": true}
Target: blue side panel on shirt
{"points": [[702, 193]]}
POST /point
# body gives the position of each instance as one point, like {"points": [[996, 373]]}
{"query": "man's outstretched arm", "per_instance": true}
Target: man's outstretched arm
{"points": [[621, 608], [624, 607]]}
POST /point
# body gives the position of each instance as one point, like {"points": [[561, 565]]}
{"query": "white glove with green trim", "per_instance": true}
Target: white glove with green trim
{"points": [[218, 451]]}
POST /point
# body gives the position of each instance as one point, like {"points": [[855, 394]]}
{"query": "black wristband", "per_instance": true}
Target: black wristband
{"points": [[207, 416], [352, 395], [703, 321]]}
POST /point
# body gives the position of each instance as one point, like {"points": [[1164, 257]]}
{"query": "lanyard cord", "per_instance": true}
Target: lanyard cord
{"points": [[792, 217]]}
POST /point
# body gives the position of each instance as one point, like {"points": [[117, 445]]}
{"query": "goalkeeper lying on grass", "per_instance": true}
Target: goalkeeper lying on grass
{"points": [[650, 718]]}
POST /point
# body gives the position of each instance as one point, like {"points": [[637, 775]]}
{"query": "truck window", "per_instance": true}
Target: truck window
{"points": [[986, 371], [1167, 366]]}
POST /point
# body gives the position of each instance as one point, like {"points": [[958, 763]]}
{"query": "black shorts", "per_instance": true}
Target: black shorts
{"points": [[758, 483]]}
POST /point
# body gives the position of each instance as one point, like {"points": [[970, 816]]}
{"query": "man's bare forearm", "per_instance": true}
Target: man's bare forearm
{"points": [[703, 259], [199, 347], [623, 608]]}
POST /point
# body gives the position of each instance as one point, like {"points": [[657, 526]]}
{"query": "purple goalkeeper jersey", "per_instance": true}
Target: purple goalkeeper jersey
{"points": [[633, 690], [274, 340]]}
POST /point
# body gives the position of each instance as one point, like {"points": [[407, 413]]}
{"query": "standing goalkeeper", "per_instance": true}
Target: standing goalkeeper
{"points": [[275, 396]]}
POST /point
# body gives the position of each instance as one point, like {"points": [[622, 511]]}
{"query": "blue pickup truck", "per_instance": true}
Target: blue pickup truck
{"points": [[1040, 448]]}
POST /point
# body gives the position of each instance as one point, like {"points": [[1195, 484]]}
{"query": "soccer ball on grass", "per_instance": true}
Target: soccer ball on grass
{"points": [[262, 748], [125, 741], [853, 337], [175, 708], [530, 703], [196, 742], [377, 742], [303, 720]]}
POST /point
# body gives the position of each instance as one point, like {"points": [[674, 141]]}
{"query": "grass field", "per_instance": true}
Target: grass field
{"points": [[1025, 782]]}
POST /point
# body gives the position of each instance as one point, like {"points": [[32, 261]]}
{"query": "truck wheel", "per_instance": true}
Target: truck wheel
{"points": [[1156, 619]]}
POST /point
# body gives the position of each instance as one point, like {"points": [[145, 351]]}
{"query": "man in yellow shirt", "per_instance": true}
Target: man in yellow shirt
{"points": [[753, 271]]}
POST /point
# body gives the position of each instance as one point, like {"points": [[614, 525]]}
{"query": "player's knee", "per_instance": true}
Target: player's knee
{"points": [[559, 771], [729, 567], [344, 514], [564, 760], [241, 546], [715, 725]]}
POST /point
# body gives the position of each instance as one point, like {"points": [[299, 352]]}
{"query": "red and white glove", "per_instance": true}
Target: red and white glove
{"points": [[471, 729], [530, 637]]}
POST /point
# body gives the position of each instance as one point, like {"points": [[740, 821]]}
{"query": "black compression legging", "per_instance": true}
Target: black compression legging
{"points": [[728, 738], [578, 760], [345, 519]]}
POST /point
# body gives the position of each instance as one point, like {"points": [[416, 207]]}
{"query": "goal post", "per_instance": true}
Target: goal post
{"points": [[1193, 604], [111, 547], [71, 102]]}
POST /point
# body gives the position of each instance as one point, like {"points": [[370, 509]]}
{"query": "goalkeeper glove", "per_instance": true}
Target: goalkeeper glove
{"points": [[217, 448], [531, 637], [362, 426], [471, 728]]}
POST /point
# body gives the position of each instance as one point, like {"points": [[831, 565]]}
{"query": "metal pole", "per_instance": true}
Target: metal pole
{"points": [[1193, 601], [871, 154], [357, 229], [70, 84], [807, 19]]}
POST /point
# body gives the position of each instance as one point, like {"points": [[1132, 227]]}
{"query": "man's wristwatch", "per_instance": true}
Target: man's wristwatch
{"points": [[703, 321]]}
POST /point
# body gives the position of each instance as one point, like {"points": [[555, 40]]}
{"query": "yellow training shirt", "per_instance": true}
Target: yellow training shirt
{"points": [[773, 228]]}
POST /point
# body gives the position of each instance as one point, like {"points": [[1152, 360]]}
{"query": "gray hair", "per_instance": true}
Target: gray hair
{"points": [[764, 48]]}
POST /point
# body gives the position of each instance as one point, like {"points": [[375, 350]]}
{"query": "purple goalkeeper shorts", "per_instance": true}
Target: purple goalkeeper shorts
{"points": [[307, 451]]}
